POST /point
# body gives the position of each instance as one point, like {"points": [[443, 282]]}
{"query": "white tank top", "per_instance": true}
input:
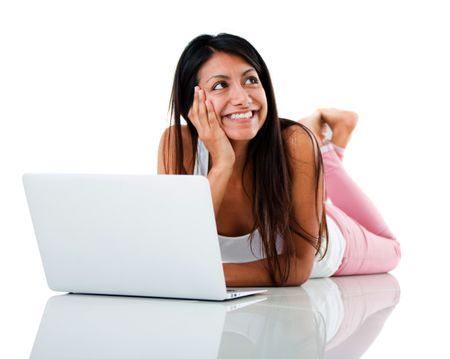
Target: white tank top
{"points": [[241, 249]]}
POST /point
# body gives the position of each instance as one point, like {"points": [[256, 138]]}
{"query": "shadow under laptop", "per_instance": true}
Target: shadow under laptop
{"points": [[330, 317]]}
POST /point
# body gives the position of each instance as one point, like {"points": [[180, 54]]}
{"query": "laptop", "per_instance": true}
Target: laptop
{"points": [[137, 235]]}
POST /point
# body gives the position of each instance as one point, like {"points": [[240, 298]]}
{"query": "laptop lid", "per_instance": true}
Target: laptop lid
{"points": [[146, 235]]}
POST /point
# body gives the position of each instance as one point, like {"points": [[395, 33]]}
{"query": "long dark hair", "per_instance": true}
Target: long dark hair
{"points": [[271, 196]]}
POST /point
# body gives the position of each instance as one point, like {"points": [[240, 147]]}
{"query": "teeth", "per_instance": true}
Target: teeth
{"points": [[241, 115]]}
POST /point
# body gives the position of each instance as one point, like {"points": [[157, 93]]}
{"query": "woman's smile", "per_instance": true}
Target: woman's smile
{"points": [[240, 117]]}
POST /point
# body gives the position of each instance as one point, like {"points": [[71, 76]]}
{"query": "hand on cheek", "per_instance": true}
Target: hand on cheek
{"points": [[207, 123]]}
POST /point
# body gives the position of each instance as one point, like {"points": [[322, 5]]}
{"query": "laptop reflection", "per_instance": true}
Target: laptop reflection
{"points": [[90, 326], [325, 318]]}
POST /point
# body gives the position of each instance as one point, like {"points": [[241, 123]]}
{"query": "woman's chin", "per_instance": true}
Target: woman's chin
{"points": [[241, 135]]}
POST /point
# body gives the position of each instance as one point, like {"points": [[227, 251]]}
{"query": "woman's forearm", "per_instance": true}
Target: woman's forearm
{"points": [[218, 178], [255, 274]]}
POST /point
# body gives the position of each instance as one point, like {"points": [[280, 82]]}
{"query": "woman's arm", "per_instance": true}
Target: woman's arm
{"points": [[307, 209], [218, 176], [255, 274]]}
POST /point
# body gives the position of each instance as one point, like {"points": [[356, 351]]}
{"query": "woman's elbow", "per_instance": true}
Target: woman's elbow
{"points": [[298, 281], [298, 276], [298, 273]]}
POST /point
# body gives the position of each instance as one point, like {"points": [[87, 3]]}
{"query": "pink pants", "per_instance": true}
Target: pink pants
{"points": [[370, 245]]}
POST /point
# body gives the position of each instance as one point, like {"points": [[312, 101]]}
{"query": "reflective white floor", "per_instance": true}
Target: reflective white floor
{"points": [[326, 318], [347, 317]]}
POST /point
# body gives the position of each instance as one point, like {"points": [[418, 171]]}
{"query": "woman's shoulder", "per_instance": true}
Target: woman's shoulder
{"points": [[297, 137], [171, 130], [293, 128], [167, 148]]}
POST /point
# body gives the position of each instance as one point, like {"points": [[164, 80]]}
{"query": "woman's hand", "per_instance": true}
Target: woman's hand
{"points": [[204, 118]]}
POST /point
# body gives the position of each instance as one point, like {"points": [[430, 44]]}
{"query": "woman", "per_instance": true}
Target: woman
{"points": [[267, 174]]}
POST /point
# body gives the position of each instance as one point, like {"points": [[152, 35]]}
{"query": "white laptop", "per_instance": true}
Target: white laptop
{"points": [[140, 235]]}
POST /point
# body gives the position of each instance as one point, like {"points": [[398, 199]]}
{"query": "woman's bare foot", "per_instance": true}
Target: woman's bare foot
{"points": [[342, 123], [317, 126]]}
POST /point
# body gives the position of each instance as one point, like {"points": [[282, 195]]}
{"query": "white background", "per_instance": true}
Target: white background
{"points": [[85, 86]]}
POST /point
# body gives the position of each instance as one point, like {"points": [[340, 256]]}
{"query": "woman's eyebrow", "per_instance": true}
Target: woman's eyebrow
{"points": [[227, 77]]}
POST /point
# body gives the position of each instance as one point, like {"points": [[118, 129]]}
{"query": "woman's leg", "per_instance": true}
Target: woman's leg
{"points": [[340, 187], [371, 247], [348, 196], [365, 252]]}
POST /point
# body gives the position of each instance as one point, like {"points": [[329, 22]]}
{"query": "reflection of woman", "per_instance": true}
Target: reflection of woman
{"points": [[354, 309], [335, 317], [266, 173]]}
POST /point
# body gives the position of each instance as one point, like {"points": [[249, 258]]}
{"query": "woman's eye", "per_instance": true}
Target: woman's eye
{"points": [[218, 84], [253, 79]]}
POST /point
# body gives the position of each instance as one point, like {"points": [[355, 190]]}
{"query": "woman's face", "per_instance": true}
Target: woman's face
{"points": [[234, 88]]}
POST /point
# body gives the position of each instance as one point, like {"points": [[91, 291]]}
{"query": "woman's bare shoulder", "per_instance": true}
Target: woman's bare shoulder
{"points": [[169, 135], [172, 130], [167, 149], [298, 139]]}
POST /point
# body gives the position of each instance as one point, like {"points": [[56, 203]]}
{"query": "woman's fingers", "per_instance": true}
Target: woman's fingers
{"points": [[193, 112], [203, 115], [204, 118], [213, 122], [198, 113]]}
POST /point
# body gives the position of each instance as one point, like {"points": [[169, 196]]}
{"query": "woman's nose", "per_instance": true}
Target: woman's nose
{"points": [[239, 96]]}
